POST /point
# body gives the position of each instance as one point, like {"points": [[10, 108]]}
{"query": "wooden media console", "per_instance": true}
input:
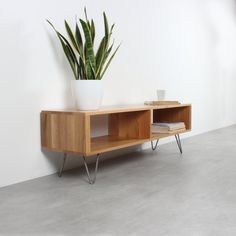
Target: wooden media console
{"points": [[69, 131]]}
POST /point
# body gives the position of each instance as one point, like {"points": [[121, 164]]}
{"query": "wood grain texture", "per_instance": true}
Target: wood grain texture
{"points": [[63, 132], [70, 131], [156, 136], [120, 109], [130, 125], [108, 143]]}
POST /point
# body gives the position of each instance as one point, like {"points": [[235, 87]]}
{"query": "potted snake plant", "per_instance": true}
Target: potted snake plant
{"points": [[88, 65]]}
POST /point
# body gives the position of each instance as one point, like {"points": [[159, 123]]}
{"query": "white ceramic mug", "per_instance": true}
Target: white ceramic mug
{"points": [[161, 93]]}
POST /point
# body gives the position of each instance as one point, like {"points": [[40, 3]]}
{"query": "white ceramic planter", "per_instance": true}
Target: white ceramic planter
{"points": [[87, 94]]}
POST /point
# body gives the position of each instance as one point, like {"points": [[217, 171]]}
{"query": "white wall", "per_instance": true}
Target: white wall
{"points": [[185, 46]]}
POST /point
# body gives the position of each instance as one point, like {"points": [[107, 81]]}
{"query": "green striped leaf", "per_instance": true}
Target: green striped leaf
{"points": [[78, 37], [67, 50], [100, 56], [89, 44], [71, 36], [85, 13], [92, 29], [93, 74], [85, 64], [109, 61], [106, 27]]}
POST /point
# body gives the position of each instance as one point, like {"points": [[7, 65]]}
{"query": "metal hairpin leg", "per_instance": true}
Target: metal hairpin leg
{"points": [[62, 165], [179, 143], [91, 181], [154, 147]]}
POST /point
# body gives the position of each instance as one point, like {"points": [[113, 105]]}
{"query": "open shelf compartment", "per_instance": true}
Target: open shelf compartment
{"points": [[121, 130], [174, 114]]}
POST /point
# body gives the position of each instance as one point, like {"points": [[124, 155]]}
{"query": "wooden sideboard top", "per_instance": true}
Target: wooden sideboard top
{"points": [[118, 109]]}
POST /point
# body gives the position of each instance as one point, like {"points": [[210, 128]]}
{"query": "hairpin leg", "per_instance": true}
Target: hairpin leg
{"points": [[91, 181], [62, 165], [154, 146], [179, 143]]}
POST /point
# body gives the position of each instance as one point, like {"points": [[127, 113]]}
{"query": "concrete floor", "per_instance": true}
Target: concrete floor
{"points": [[146, 193]]}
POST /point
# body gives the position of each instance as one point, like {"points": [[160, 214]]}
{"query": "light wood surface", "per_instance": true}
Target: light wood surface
{"points": [[155, 136], [130, 124], [158, 103], [64, 132], [109, 143], [70, 130], [118, 109]]}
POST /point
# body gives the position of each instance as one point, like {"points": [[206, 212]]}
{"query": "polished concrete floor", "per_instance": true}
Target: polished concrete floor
{"points": [[146, 193]]}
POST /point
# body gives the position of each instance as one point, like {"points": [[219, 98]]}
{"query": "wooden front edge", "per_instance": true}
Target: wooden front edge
{"points": [[190, 117], [87, 132]]}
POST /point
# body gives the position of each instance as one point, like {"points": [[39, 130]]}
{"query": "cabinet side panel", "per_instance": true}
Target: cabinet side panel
{"points": [[63, 132], [45, 130]]}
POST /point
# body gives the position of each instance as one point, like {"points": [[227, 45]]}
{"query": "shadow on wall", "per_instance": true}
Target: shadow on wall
{"points": [[52, 158]]}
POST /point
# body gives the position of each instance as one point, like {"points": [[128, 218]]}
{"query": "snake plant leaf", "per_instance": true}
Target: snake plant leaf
{"points": [[67, 50], [69, 58], [89, 44], [80, 52], [109, 61], [79, 70], [72, 37], [79, 40], [88, 71], [113, 25], [92, 29], [104, 58], [78, 37], [60, 36], [85, 13], [107, 32], [86, 18], [93, 71], [108, 51], [82, 68], [100, 56], [106, 27], [69, 47]]}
